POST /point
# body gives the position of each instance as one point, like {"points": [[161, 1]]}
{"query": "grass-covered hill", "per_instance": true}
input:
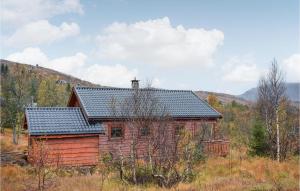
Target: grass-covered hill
{"points": [[223, 98], [45, 73]]}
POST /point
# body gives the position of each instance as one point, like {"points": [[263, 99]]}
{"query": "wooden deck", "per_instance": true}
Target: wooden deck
{"points": [[216, 147]]}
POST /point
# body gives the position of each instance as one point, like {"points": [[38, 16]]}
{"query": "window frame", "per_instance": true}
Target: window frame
{"points": [[178, 128], [144, 135], [117, 125], [116, 132]]}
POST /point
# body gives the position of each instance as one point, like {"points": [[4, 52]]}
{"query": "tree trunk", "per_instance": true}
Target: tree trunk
{"points": [[121, 165], [15, 139], [277, 136], [150, 157], [18, 134], [133, 161], [39, 176]]}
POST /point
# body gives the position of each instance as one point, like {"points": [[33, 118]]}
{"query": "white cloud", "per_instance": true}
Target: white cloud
{"points": [[31, 56], [157, 42], [241, 70], [292, 67], [16, 12], [41, 32], [70, 65], [156, 82], [116, 75]]}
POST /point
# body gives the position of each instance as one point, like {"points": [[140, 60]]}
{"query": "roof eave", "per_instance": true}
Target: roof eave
{"points": [[64, 133], [97, 118], [208, 105]]}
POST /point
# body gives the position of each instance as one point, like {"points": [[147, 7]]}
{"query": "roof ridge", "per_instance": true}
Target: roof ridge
{"points": [[53, 108], [117, 88]]}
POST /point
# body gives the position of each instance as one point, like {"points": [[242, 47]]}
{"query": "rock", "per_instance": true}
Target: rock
{"points": [[85, 171], [22, 162], [13, 158]]}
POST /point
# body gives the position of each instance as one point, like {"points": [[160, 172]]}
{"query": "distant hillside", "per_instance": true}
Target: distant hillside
{"points": [[49, 73], [292, 91], [224, 98]]}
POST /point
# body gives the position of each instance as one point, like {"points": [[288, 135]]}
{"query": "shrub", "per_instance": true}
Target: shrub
{"points": [[144, 174], [198, 154], [258, 142]]}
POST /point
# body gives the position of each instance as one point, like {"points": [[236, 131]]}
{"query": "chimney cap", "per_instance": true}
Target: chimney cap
{"points": [[135, 80]]}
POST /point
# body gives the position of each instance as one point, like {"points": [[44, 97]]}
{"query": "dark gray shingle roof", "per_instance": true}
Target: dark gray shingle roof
{"points": [[59, 120], [179, 103]]}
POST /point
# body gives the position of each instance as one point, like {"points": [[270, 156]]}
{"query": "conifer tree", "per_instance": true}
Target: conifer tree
{"points": [[258, 141]]}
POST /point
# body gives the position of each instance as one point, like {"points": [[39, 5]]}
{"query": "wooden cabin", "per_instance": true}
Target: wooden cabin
{"points": [[80, 133]]}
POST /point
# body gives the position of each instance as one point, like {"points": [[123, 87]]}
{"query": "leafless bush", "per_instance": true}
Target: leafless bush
{"points": [[166, 148], [43, 162]]}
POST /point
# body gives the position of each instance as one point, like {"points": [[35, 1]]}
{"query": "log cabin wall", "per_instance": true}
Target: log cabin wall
{"points": [[122, 144], [86, 150], [68, 150]]}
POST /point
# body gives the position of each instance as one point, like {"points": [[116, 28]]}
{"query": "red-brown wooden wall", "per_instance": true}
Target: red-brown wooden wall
{"points": [[115, 145], [68, 150], [78, 150]]}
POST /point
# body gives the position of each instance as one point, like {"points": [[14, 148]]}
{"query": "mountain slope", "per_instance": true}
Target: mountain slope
{"points": [[44, 73], [48, 73], [224, 98], [292, 91]]}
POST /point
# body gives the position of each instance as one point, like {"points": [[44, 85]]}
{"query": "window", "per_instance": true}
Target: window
{"points": [[179, 128], [116, 132], [145, 131]]}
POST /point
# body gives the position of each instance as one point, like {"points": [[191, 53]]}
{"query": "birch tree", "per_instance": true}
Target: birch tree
{"points": [[271, 92]]}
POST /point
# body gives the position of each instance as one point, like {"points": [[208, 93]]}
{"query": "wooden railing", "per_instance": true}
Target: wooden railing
{"points": [[216, 147]]}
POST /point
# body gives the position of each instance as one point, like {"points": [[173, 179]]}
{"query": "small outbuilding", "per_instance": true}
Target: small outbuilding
{"points": [[68, 138]]}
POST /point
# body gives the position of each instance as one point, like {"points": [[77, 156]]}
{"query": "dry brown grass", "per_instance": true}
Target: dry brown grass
{"points": [[248, 174], [79, 183], [13, 178], [217, 174], [7, 144], [235, 172]]}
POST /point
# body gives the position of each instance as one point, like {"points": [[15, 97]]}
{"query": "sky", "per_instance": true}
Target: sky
{"points": [[220, 46]]}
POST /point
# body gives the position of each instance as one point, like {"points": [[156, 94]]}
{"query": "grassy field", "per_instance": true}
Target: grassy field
{"points": [[235, 172]]}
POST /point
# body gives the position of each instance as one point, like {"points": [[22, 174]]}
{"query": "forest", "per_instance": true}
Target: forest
{"points": [[22, 87]]}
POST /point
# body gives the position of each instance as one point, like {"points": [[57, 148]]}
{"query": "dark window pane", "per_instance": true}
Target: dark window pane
{"points": [[145, 131], [178, 129], [116, 132]]}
